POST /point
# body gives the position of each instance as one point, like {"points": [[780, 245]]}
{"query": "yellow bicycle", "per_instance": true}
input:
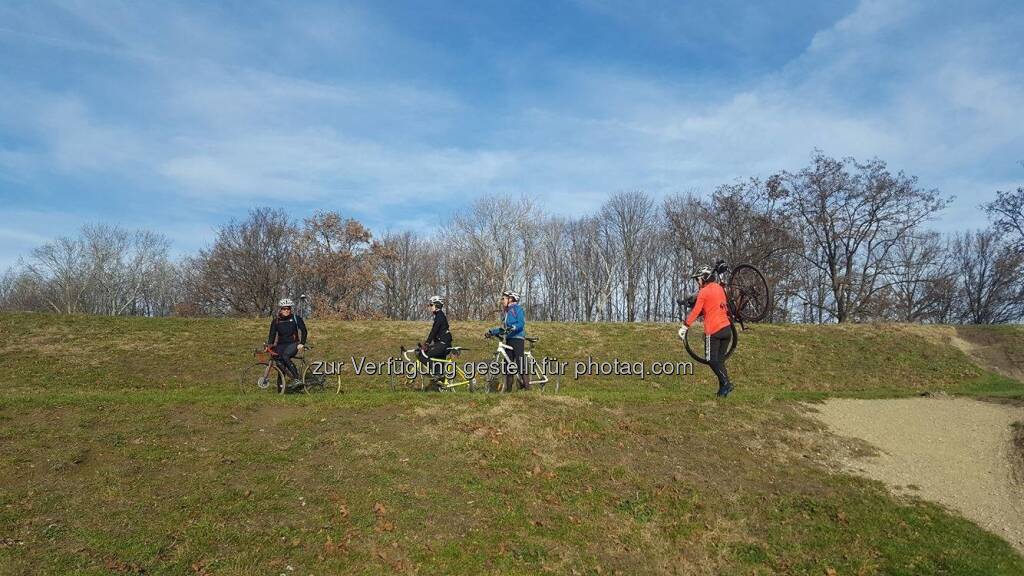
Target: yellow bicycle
{"points": [[445, 374]]}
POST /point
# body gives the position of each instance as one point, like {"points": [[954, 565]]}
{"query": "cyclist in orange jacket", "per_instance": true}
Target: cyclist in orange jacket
{"points": [[712, 304]]}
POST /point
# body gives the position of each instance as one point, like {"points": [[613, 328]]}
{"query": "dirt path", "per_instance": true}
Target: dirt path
{"points": [[954, 451]]}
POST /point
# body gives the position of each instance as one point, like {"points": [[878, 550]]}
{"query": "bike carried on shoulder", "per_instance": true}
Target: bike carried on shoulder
{"points": [[748, 298]]}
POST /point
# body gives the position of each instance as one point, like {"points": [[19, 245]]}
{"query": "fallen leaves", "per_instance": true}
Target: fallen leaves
{"points": [[340, 547], [538, 472], [122, 567], [383, 524]]}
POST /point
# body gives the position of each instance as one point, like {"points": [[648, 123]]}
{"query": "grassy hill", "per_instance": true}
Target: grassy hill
{"points": [[128, 449]]}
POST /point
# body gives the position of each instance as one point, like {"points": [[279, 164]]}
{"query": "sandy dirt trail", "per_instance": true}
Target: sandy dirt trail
{"points": [[955, 451]]}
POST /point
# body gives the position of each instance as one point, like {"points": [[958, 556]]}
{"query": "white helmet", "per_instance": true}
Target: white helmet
{"points": [[285, 303], [511, 294], [704, 274], [436, 301]]}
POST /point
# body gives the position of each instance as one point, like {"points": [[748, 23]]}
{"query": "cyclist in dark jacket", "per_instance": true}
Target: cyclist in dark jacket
{"points": [[440, 337], [287, 336]]}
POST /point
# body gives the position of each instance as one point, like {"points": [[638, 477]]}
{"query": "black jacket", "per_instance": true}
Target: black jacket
{"points": [[439, 331], [287, 330]]}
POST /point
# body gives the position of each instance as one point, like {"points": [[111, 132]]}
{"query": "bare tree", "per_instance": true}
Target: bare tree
{"points": [[593, 268], [921, 271], [61, 271], [335, 263], [989, 271], [628, 219], [1007, 215], [838, 241], [492, 243], [407, 274], [106, 270], [554, 268], [742, 223], [248, 267], [20, 290], [852, 216], [125, 266]]}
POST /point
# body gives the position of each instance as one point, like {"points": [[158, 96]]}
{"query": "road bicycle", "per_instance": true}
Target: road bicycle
{"points": [[534, 375], [748, 299], [445, 373], [747, 292], [268, 372]]}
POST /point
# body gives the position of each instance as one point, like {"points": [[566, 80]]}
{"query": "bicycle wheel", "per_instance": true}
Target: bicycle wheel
{"points": [[748, 292], [255, 378], [311, 382], [300, 365], [498, 383], [535, 373], [695, 335]]}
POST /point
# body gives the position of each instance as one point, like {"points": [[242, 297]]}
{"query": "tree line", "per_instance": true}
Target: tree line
{"points": [[839, 240]]}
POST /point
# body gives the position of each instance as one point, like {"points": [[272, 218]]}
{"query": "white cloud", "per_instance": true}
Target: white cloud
{"points": [[944, 105], [891, 79]]}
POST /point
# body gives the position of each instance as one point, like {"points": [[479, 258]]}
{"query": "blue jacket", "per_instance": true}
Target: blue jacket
{"points": [[514, 323]]}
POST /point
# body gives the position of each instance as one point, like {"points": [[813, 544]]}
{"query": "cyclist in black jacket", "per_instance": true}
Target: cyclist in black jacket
{"points": [[287, 336], [440, 337]]}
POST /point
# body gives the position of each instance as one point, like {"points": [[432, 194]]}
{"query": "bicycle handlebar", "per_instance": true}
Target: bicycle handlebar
{"points": [[270, 348], [405, 354]]}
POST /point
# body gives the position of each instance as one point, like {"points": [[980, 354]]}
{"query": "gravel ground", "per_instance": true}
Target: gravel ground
{"points": [[953, 451]]}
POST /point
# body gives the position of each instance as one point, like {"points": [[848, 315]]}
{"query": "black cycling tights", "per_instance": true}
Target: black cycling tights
{"points": [[285, 353], [715, 347], [518, 357]]}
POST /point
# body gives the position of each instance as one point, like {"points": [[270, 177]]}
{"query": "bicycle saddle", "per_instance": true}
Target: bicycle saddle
{"points": [[528, 339]]}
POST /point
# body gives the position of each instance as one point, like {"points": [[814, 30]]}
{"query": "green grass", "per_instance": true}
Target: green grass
{"points": [[127, 449]]}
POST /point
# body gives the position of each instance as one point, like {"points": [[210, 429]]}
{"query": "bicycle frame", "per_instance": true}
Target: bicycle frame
{"points": [[443, 364], [501, 354], [272, 368], [733, 300], [303, 370], [276, 362]]}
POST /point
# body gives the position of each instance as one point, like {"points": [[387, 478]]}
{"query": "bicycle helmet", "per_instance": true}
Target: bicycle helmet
{"points": [[511, 294], [703, 274], [285, 303], [436, 301]]}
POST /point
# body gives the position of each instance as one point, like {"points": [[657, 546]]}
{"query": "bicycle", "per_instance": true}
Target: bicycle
{"points": [[450, 375], [496, 382], [268, 369], [746, 293]]}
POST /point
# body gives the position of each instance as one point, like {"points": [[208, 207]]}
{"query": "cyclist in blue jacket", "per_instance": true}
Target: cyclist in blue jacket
{"points": [[513, 327]]}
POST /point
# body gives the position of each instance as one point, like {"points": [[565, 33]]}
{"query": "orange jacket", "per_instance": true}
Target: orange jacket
{"points": [[711, 303]]}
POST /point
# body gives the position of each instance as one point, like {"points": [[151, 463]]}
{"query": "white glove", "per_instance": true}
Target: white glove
{"points": [[682, 332]]}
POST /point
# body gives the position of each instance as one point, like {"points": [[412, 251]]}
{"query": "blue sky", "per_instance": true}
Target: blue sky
{"points": [[180, 116]]}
